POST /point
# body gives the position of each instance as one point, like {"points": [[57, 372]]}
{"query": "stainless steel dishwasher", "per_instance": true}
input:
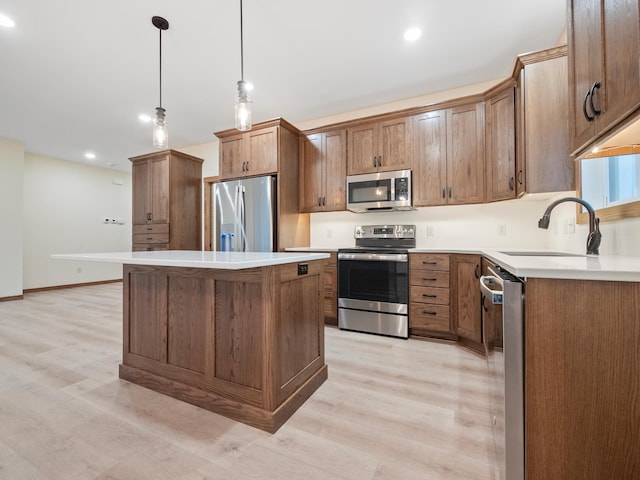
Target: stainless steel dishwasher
{"points": [[506, 368]]}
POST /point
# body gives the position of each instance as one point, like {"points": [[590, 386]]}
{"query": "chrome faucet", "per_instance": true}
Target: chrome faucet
{"points": [[593, 240]]}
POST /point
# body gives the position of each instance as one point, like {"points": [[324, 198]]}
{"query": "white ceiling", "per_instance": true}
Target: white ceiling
{"points": [[76, 74]]}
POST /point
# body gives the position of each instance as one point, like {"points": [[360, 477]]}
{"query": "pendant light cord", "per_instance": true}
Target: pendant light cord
{"points": [[160, 30], [241, 46]]}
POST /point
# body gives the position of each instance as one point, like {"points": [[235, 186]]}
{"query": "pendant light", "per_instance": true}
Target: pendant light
{"points": [[160, 133], [243, 107]]}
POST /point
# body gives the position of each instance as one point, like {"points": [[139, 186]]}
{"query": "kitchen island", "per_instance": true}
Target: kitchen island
{"points": [[240, 334]]}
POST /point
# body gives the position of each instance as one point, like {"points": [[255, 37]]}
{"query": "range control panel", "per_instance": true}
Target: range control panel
{"points": [[385, 231]]}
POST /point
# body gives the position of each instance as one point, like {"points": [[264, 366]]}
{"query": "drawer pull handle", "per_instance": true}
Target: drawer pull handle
{"points": [[429, 279], [429, 296], [429, 313], [429, 263], [149, 238]]}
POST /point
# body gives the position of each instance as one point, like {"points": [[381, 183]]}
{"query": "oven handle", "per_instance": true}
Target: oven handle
{"points": [[375, 257]]}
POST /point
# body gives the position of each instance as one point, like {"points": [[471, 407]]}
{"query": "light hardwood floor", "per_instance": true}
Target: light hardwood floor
{"points": [[391, 409]]}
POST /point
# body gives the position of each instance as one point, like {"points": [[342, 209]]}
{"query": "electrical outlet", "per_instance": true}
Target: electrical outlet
{"points": [[502, 229], [303, 268], [430, 231], [329, 233], [571, 225]]}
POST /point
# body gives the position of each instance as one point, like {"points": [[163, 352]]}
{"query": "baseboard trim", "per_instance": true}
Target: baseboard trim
{"points": [[9, 299], [72, 285]]}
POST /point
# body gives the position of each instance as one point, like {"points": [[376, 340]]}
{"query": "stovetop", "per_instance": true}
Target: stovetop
{"points": [[373, 250]]}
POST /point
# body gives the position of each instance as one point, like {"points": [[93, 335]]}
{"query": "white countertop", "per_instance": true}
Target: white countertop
{"points": [[197, 259], [616, 268]]}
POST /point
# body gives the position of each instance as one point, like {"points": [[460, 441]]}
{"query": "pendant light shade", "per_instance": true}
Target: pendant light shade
{"points": [[243, 104], [160, 132]]}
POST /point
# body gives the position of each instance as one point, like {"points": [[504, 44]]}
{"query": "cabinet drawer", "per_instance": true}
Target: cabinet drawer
{"points": [[439, 296], [429, 261], [149, 247], [430, 278], [151, 228], [423, 316], [151, 238]]}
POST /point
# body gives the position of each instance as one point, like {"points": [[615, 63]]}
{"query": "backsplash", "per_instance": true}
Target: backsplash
{"points": [[509, 224]]}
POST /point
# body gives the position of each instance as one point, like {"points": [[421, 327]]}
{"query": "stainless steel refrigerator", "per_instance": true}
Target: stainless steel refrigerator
{"points": [[244, 215]]}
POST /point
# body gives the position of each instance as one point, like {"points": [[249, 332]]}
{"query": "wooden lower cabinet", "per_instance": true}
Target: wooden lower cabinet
{"points": [[330, 284], [248, 344], [466, 308], [582, 379], [429, 295]]}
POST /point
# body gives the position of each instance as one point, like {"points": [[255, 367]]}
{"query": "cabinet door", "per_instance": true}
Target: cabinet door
{"points": [[501, 146], [335, 155], [362, 154], [232, 156], [548, 165], [394, 144], [141, 192], [263, 151], [620, 95], [467, 321], [465, 160], [429, 158], [159, 186], [312, 178], [585, 53]]}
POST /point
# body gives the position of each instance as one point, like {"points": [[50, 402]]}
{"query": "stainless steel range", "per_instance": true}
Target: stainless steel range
{"points": [[373, 280]]}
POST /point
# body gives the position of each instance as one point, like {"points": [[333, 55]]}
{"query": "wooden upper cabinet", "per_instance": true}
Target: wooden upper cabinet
{"points": [[501, 145], [542, 124], [151, 190], [323, 171], [263, 151], [448, 156], [232, 156], [604, 67], [380, 146], [465, 154], [429, 159], [167, 189], [251, 153]]}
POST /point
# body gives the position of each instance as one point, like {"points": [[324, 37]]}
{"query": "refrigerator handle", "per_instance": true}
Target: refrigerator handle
{"points": [[243, 221]]}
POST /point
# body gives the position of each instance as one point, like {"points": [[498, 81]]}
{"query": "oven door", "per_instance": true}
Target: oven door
{"points": [[373, 293]]}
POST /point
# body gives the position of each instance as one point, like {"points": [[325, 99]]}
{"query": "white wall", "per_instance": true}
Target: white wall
{"points": [[64, 207], [209, 152], [11, 173]]}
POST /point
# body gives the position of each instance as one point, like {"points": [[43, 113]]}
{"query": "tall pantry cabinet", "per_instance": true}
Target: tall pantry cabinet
{"points": [[167, 191]]}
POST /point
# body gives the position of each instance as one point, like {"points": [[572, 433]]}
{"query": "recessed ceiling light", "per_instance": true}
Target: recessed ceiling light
{"points": [[412, 34], [6, 21], [595, 150], [111, 164], [143, 117], [90, 155]]}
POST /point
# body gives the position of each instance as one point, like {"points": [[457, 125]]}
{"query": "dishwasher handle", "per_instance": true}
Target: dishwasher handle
{"points": [[492, 294]]}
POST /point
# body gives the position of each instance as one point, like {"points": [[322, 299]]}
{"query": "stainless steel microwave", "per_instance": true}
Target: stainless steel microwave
{"points": [[382, 191]]}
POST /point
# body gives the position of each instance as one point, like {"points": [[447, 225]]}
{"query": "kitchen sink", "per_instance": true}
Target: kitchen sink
{"points": [[542, 254]]}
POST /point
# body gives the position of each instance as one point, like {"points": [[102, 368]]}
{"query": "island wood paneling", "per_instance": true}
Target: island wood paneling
{"points": [[189, 321], [582, 382], [247, 343], [238, 347], [148, 316]]}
